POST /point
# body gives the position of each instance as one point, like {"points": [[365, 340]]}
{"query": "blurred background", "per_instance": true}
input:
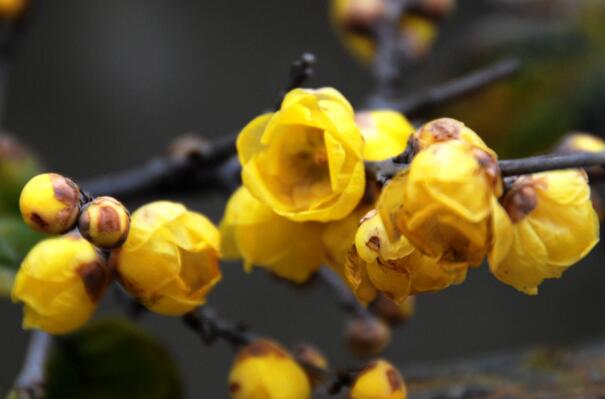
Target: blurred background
{"points": [[99, 86]]}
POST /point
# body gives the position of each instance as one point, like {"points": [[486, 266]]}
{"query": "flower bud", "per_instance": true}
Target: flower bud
{"points": [[170, 260], [10, 9], [60, 282], [305, 161], [314, 362], [265, 370], [581, 142], [546, 224], [367, 336], [384, 132], [392, 313], [379, 380], [50, 203], [443, 203], [252, 231], [104, 222]]}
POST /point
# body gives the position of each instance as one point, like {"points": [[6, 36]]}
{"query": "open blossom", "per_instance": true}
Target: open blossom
{"points": [[265, 370], [170, 261], [443, 202], [385, 133], [545, 225], [395, 268], [253, 232], [60, 283], [305, 161]]}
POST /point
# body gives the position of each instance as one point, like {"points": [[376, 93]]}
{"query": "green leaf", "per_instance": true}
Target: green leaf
{"points": [[16, 239], [111, 359]]}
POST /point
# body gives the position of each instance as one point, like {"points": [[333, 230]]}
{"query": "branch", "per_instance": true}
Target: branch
{"points": [[544, 163], [30, 381], [441, 94], [301, 70], [344, 297], [209, 327]]}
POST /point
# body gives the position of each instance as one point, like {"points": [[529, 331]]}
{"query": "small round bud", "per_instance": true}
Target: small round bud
{"points": [[379, 380], [314, 362], [104, 222], [367, 336], [10, 9], [50, 203], [264, 369], [60, 283], [392, 313]]}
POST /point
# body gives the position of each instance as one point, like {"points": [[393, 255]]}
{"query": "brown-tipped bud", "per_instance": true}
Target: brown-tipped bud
{"points": [[392, 313], [367, 336], [105, 222], [313, 361], [360, 15], [50, 203]]}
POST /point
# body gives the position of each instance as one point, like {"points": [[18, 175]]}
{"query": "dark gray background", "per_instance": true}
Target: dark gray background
{"points": [[99, 86]]}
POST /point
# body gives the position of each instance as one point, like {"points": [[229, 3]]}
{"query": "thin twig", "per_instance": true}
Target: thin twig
{"points": [[344, 297], [30, 381], [432, 97], [301, 70], [209, 327], [544, 163]]}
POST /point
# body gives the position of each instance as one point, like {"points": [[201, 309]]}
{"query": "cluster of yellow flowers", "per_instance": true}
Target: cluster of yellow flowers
{"points": [[306, 201], [165, 255], [355, 22]]}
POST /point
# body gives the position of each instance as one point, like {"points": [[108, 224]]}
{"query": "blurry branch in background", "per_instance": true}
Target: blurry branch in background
{"points": [[209, 327], [344, 297], [30, 381]]}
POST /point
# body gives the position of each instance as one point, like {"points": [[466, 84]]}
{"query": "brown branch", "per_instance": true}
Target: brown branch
{"points": [[31, 379], [544, 163], [344, 297], [209, 328]]}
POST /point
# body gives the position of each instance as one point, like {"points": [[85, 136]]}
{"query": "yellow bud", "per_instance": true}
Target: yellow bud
{"points": [[170, 261], [379, 380], [265, 370], [418, 35], [443, 203], [305, 161], [447, 129], [546, 224], [50, 203], [392, 313], [367, 336], [252, 231], [385, 133], [12, 8], [581, 142], [60, 282], [104, 222]]}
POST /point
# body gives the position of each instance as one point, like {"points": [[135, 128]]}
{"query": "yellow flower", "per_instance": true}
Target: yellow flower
{"points": [[265, 370], [252, 231], [379, 380], [104, 222], [60, 282], [170, 260], [50, 203], [385, 133], [394, 268], [581, 142], [547, 223], [443, 203], [418, 35], [305, 161]]}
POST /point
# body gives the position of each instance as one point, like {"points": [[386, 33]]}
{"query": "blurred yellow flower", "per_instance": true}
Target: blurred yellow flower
{"points": [[581, 142], [265, 370], [385, 133], [305, 161], [12, 8], [170, 260], [252, 231], [443, 203], [60, 282], [50, 203], [379, 380], [546, 224]]}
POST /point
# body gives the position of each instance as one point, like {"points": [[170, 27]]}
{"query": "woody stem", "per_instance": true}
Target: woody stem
{"points": [[30, 381]]}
